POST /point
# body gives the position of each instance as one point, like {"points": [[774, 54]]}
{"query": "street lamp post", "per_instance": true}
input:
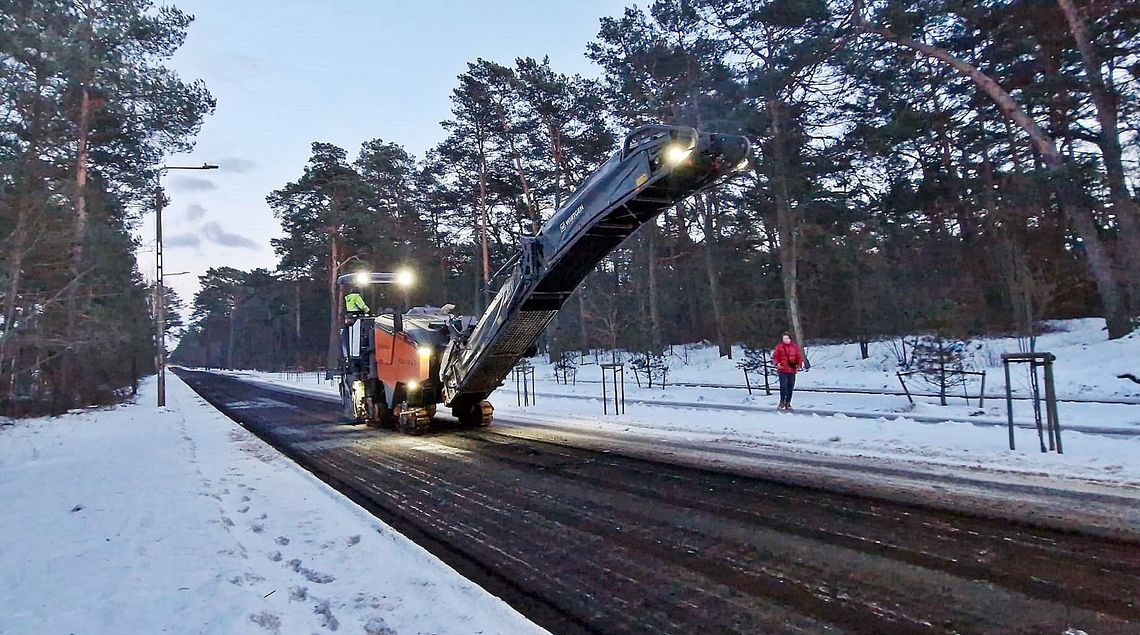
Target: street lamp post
{"points": [[160, 301]]}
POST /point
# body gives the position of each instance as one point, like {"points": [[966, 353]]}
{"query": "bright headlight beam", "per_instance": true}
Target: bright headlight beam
{"points": [[362, 277], [405, 278], [413, 385], [424, 351], [675, 153]]}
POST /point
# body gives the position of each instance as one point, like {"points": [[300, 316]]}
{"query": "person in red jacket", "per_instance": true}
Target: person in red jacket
{"points": [[788, 360]]}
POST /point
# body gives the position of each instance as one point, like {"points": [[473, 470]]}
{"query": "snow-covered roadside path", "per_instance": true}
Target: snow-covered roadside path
{"points": [[139, 520]]}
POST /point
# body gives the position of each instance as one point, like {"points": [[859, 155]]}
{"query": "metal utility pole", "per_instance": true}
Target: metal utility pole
{"points": [[160, 299]]}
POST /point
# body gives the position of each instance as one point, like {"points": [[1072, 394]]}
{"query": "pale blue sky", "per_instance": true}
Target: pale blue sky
{"points": [[287, 73]]}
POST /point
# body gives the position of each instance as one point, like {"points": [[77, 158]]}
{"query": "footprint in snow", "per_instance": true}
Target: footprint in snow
{"points": [[325, 611], [377, 626], [312, 576], [247, 577], [282, 540], [362, 601], [269, 621]]}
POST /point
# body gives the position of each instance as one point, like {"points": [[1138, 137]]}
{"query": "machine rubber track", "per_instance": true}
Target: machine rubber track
{"points": [[479, 414], [486, 413], [414, 420]]}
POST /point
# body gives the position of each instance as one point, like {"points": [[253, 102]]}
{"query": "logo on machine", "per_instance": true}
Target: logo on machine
{"points": [[570, 219]]}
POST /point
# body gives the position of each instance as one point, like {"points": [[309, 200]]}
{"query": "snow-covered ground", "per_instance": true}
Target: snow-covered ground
{"points": [[144, 520], [1101, 441], [141, 520], [1087, 363]]}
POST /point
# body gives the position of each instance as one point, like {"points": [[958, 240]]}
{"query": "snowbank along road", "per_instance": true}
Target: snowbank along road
{"points": [[588, 541]]}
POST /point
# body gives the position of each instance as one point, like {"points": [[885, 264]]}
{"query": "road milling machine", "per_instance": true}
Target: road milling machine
{"points": [[398, 366]]}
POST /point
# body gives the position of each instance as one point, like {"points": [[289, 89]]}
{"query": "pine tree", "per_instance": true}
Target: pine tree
{"points": [[1073, 206], [322, 214], [91, 109]]}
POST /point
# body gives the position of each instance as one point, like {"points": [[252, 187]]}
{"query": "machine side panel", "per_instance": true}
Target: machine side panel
{"points": [[397, 361]]}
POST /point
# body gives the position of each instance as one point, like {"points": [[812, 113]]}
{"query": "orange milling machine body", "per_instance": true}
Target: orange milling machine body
{"points": [[400, 362], [391, 364]]}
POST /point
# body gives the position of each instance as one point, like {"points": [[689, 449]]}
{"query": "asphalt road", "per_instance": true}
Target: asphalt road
{"points": [[584, 540]]}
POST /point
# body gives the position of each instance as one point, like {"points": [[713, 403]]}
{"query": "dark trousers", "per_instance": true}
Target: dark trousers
{"points": [[350, 317], [787, 384]]}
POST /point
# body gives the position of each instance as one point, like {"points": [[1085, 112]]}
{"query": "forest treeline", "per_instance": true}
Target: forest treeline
{"points": [[920, 165], [87, 112]]}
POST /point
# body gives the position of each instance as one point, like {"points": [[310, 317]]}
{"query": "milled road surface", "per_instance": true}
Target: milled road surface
{"points": [[584, 541]]}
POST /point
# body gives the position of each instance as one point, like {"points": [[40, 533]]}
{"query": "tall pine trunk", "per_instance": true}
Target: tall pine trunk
{"points": [[332, 356], [483, 219], [20, 241], [655, 336], [298, 361], [79, 197], [786, 222], [516, 159], [705, 207], [1106, 101], [17, 249], [583, 330], [556, 157], [67, 378]]}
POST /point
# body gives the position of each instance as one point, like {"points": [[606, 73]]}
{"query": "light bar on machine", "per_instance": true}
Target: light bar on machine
{"points": [[363, 278]]}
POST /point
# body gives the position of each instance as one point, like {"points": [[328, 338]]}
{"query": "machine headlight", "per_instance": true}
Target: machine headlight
{"points": [[413, 385], [363, 277], [424, 351], [675, 153]]}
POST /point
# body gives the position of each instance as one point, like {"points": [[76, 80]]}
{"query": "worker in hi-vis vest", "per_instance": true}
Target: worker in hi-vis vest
{"points": [[354, 308], [354, 305]]}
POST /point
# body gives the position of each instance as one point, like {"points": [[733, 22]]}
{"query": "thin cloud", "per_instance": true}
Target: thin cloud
{"points": [[195, 211], [235, 67], [192, 184], [214, 233], [183, 241], [236, 165]]}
